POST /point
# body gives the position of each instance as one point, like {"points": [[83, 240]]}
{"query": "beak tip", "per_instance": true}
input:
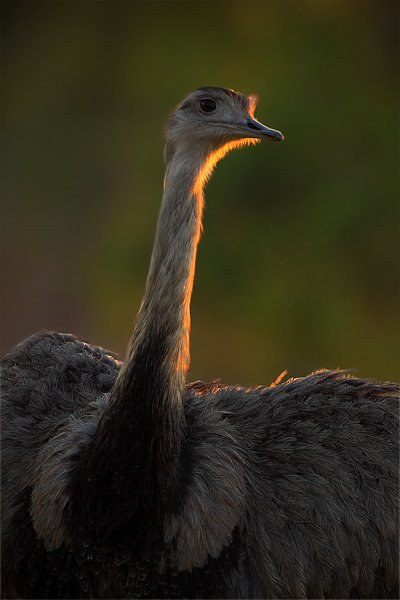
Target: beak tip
{"points": [[276, 136]]}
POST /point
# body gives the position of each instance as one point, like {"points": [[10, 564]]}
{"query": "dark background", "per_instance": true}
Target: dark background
{"points": [[298, 266]]}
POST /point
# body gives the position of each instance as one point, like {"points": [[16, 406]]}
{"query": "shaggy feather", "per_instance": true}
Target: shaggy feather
{"points": [[294, 487]]}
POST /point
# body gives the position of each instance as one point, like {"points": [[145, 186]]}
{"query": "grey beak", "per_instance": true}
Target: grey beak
{"points": [[262, 131]]}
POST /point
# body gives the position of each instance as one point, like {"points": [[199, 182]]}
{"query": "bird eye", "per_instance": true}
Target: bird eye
{"points": [[208, 105]]}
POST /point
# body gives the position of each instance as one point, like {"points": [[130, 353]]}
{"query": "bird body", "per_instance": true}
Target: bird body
{"points": [[122, 481]]}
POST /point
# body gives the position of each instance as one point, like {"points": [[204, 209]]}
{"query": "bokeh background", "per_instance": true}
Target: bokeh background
{"points": [[298, 266]]}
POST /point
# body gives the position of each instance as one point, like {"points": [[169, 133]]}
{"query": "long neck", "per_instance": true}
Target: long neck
{"points": [[138, 442], [164, 315]]}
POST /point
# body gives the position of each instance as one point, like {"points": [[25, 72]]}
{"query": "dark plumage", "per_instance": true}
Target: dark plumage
{"points": [[123, 482], [281, 488]]}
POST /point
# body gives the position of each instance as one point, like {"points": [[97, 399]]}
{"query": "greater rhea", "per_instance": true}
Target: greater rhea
{"points": [[124, 481]]}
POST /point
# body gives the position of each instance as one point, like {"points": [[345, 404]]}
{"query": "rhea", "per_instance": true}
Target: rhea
{"points": [[123, 481]]}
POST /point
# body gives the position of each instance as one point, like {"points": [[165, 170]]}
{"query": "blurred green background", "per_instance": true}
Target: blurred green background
{"points": [[298, 265]]}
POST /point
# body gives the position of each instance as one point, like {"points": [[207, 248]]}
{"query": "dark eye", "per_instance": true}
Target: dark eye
{"points": [[208, 105]]}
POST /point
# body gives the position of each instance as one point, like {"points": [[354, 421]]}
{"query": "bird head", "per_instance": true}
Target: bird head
{"points": [[213, 118]]}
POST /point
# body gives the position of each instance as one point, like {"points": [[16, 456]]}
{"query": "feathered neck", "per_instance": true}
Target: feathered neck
{"points": [[136, 450]]}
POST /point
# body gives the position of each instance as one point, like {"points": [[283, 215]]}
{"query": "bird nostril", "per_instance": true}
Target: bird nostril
{"points": [[253, 125]]}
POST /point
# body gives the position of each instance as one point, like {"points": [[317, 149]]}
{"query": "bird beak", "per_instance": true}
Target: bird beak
{"points": [[258, 130]]}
